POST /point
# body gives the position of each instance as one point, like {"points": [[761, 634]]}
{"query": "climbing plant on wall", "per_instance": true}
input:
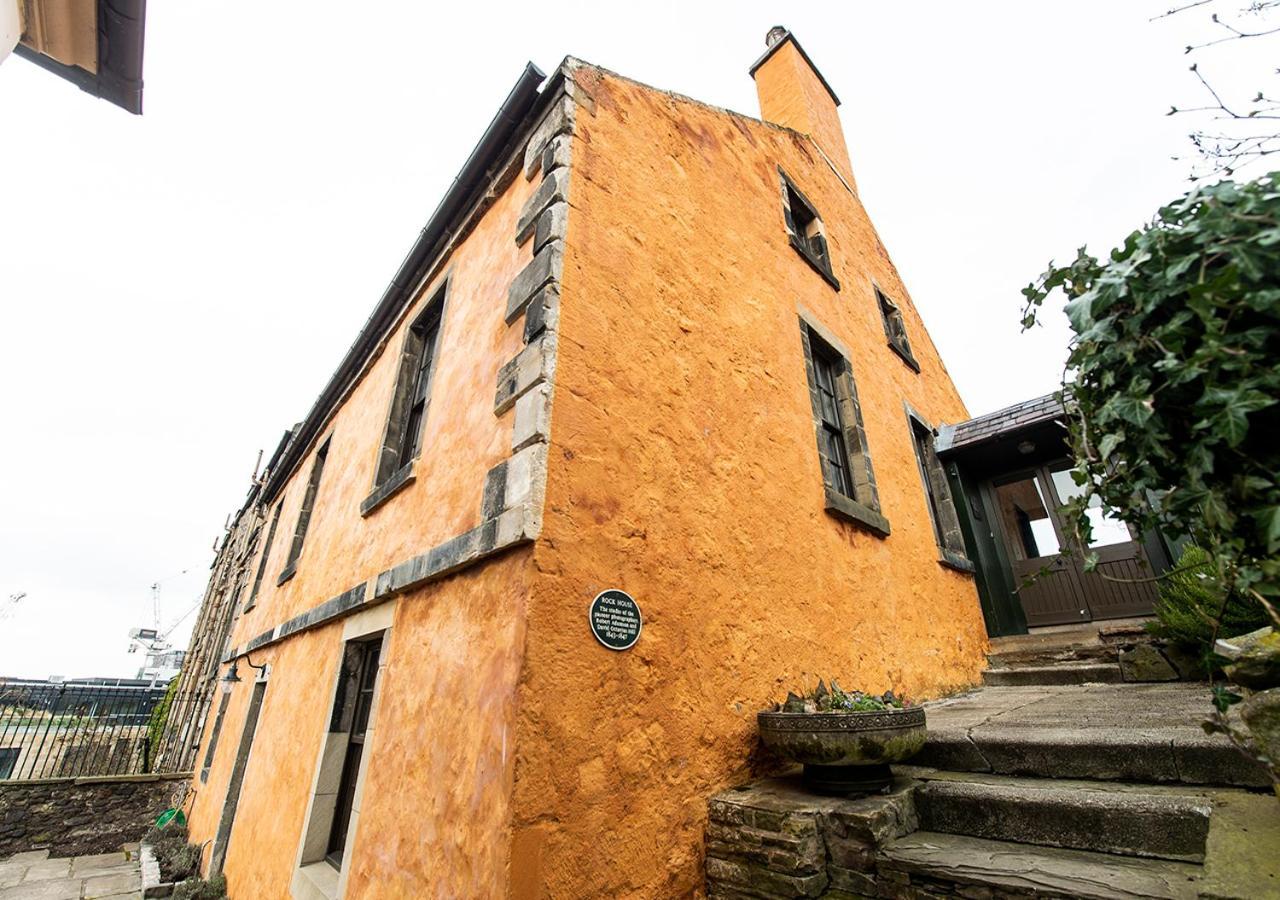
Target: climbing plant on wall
{"points": [[1174, 376]]}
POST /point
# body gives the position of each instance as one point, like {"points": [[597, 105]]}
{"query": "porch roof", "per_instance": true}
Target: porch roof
{"points": [[999, 424]]}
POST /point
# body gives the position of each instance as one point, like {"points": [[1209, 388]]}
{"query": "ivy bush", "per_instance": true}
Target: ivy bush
{"points": [[1173, 376]]}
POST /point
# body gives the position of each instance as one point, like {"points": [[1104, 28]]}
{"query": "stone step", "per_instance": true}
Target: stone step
{"points": [[1126, 820], [1008, 659], [1175, 755], [929, 863], [1069, 673]]}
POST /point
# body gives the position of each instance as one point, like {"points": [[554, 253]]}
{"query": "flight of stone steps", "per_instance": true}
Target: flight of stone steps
{"points": [[1088, 791]]}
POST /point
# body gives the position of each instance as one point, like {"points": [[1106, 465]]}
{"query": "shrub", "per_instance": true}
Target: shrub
{"points": [[160, 718], [1191, 600], [822, 699], [200, 889]]}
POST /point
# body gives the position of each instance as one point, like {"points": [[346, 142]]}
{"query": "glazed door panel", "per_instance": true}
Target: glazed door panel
{"points": [[1117, 588], [1048, 586]]}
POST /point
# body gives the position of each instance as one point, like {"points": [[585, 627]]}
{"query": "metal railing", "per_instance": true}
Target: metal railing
{"points": [[81, 729]]}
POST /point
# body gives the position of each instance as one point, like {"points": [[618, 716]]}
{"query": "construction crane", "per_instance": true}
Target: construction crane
{"points": [[153, 639]]}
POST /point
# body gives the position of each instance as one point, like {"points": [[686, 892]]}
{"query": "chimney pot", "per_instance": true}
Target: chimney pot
{"points": [[776, 33]]}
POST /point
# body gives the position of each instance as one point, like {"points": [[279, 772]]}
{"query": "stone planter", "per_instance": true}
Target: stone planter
{"points": [[845, 753]]}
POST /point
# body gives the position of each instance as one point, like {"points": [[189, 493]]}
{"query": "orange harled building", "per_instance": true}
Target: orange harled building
{"points": [[647, 380]]}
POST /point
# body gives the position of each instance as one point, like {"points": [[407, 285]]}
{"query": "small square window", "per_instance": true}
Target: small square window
{"points": [[805, 230], [895, 329]]}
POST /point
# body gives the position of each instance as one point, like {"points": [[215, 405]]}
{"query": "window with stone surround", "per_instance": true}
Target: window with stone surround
{"points": [[937, 492], [266, 552], [895, 329], [805, 230], [849, 485], [212, 749], [402, 439], [304, 513]]}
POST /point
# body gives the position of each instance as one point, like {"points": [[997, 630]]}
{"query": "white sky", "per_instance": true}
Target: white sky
{"points": [[175, 289]]}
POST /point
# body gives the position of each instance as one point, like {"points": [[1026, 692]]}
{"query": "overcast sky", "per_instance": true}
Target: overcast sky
{"points": [[177, 288]]}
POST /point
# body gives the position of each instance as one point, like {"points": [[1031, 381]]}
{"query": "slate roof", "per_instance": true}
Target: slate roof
{"points": [[998, 423]]}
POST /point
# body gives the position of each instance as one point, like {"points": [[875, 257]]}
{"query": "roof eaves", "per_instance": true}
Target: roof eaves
{"points": [[518, 107]]}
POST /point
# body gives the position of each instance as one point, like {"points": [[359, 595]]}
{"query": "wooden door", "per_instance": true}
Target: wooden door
{"points": [[1047, 583], [1117, 588]]}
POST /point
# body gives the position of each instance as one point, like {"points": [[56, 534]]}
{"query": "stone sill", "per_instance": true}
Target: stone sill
{"points": [[905, 357], [399, 479], [842, 507], [813, 261], [951, 560], [321, 879], [289, 571]]}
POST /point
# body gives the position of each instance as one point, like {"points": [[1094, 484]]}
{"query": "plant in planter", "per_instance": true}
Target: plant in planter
{"points": [[845, 739]]}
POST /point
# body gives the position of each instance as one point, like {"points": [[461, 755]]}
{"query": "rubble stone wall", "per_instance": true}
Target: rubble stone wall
{"points": [[80, 816]]}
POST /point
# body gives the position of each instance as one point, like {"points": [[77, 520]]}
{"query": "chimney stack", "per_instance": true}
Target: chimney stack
{"points": [[794, 94]]}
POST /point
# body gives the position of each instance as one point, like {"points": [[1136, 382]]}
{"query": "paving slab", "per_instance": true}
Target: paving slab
{"points": [[1242, 859], [28, 856], [46, 869], [11, 873], [98, 860], [103, 886], [49, 889], [101, 876]]}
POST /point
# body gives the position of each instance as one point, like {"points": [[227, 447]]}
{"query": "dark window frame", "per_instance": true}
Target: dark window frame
{"points": [[937, 495], [352, 715], [840, 432], [895, 328], [266, 554], [402, 439], [305, 511], [212, 749], [806, 231]]}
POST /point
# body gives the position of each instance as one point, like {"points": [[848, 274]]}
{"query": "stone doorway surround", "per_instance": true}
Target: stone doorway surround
{"points": [[315, 878]]}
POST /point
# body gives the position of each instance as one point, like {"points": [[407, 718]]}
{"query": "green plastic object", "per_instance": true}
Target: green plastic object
{"points": [[171, 815]]}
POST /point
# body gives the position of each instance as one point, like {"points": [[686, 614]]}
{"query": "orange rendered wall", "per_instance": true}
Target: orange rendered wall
{"points": [[684, 470], [461, 440], [438, 801], [436, 808]]}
